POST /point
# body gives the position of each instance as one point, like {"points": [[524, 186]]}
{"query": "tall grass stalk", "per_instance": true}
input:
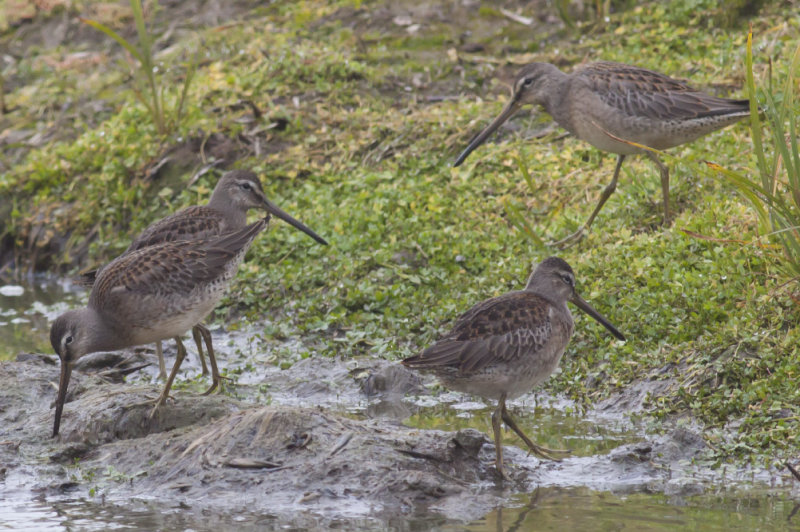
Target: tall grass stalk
{"points": [[147, 89], [775, 192]]}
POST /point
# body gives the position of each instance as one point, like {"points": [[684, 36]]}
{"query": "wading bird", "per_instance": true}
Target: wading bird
{"points": [[147, 296], [236, 193], [607, 103], [502, 347]]}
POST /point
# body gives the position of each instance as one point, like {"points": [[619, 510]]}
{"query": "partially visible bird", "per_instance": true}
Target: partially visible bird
{"points": [[236, 193], [607, 103], [502, 347], [147, 296]]}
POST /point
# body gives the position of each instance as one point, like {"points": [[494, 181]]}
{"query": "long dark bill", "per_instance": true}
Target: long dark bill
{"points": [[63, 382], [283, 215], [588, 309], [508, 111]]}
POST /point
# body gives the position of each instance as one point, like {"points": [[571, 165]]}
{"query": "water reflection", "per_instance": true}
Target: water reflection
{"points": [[553, 424], [562, 509], [556, 509]]}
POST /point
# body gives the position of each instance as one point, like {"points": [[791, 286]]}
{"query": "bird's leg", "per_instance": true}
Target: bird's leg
{"points": [[216, 378], [197, 335], [664, 169], [162, 368], [610, 188], [178, 361], [498, 445], [544, 452]]}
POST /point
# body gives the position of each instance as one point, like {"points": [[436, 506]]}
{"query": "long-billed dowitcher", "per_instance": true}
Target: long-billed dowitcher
{"points": [[502, 347], [608, 103], [149, 295], [236, 193]]}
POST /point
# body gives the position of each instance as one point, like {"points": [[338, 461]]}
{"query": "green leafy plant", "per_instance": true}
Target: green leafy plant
{"points": [[775, 192], [147, 89]]}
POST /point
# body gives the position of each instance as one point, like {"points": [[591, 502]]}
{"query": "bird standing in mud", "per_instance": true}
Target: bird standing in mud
{"points": [[607, 103], [236, 193], [147, 296], [502, 347]]}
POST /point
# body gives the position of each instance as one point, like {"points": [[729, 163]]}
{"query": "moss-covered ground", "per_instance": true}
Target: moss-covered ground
{"points": [[352, 112]]}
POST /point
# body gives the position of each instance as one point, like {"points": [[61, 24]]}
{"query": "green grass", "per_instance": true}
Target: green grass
{"points": [[374, 117]]}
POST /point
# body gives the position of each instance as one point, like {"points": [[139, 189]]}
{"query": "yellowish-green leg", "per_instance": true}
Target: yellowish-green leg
{"points": [[544, 452], [664, 169], [198, 341], [216, 378], [498, 444], [610, 188], [178, 361], [162, 368]]}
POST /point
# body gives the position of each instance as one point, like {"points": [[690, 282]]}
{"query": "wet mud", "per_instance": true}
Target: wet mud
{"points": [[330, 446]]}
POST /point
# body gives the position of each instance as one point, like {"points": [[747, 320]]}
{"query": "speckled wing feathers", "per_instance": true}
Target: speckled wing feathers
{"points": [[500, 329], [644, 93], [191, 223], [174, 267]]}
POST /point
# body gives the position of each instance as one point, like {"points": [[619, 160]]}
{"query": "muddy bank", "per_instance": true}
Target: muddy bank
{"points": [[330, 448]]}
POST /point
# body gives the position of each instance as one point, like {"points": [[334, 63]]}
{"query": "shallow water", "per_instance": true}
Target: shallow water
{"points": [[584, 509], [549, 421], [25, 312], [556, 509]]}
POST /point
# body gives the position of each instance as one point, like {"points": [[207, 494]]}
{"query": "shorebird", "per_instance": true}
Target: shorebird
{"points": [[236, 193], [147, 296], [607, 103], [502, 347]]}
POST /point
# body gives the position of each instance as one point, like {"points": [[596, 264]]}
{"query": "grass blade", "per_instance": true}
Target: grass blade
{"points": [[755, 120], [116, 36], [526, 174], [518, 220], [185, 90]]}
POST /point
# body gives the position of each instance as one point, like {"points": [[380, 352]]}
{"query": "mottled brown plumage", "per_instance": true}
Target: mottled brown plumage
{"points": [[606, 104], [502, 347], [236, 193], [147, 296]]}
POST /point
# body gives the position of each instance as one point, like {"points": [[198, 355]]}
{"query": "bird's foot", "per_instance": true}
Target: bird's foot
{"points": [[218, 385], [547, 453], [158, 403], [502, 472], [148, 402], [569, 240]]}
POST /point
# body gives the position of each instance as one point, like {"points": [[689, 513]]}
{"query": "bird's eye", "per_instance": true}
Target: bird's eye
{"points": [[68, 340], [527, 82], [246, 186], [567, 279]]}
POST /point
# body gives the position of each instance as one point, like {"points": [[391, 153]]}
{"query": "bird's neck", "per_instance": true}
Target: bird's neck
{"points": [[235, 218], [99, 335], [552, 99]]}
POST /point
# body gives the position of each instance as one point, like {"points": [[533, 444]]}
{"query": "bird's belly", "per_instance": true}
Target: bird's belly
{"points": [[514, 379], [172, 316], [608, 134], [601, 139]]}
